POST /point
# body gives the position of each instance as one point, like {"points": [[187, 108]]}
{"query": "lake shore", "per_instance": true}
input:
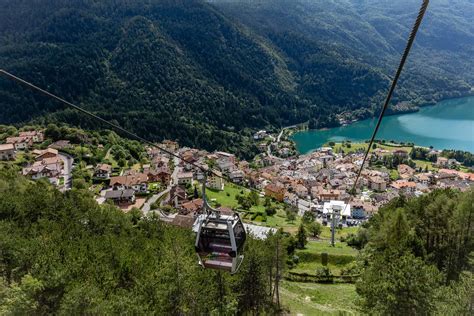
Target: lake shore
{"points": [[445, 125]]}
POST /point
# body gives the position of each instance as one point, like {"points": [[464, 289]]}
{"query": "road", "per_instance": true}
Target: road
{"points": [[174, 180], [269, 148], [147, 206], [174, 176], [68, 161]]}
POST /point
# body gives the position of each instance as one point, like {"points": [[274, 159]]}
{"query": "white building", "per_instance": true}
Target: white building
{"points": [[7, 152], [215, 182], [185, 178], [337, 206], [303, 206]]}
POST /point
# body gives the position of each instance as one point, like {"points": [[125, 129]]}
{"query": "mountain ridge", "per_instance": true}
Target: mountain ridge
{"points": [[198, 71]]}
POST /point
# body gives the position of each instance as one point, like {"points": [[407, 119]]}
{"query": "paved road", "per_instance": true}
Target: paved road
{"points": [[269, 149], [68, 161], [174, 180], [174, 176], [147, 206]]}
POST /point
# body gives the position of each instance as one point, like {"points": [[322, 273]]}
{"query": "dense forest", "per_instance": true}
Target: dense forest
{"points": [[65, 254], [417, 256], [209, 73]]}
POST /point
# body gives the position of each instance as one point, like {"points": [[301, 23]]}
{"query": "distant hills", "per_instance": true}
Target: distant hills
{"points": [[209, 73]]}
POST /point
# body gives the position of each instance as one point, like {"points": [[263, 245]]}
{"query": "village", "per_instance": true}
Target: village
{"points": [[289, 187]]}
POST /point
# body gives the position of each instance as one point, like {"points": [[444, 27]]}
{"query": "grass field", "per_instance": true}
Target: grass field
{"points": [[279, 221], [227, 198], [340, 248], [326, 232], [423, 164], [339, 257], [363, 146], [318, 299]]}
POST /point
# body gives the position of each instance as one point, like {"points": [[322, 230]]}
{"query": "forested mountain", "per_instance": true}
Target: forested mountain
{"points": [[207, 74], [367, 35]]}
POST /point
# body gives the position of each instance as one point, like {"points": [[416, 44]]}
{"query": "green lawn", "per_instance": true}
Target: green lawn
{"points": [[394, 175], [423, 164], [354, 147], [227, 198], [155, 187], [357, 146], [339, 257], [279, 221], [340, 248], [326, 232], [464, 169], [111, 160], [318, 299]]}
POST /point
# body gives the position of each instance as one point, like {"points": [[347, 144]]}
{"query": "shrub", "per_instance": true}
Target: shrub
{"points": [[324, 258]]}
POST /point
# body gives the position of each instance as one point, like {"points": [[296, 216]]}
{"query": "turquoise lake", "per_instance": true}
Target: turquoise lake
{"points": [[447, 125]]}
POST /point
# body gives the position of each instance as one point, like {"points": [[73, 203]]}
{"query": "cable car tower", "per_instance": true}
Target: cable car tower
{"points": [[219, 238]]}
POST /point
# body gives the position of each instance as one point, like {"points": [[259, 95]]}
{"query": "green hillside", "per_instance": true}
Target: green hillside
{"points": [[368, 37]]}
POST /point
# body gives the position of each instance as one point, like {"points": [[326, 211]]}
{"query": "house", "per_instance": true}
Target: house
{"points": [[191, 206], [103, 171], [260, 135], [442, 162], [121, 196], [454, 173], [20, 143], [452, 162], [424, 178], [325, 194], [170, 145], [237, 176], [335, 183], [358, 211], [185, 178], [400, 153], [377, 184], [177, 196], [159, 161], [60, 144], [290, 198], [326, 160], [404, 185], [361, 210], [137, 182], [301, 191], [7, 152], [215, 181], [36, 136], [223, 156], [303, 206], [50, 168], [183, 221], [162, 175], [47, 153], [405, 171], [275, 192], [225, 165]]}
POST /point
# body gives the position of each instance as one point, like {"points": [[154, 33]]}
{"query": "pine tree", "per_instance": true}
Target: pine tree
{"points": [[301, 237]]}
